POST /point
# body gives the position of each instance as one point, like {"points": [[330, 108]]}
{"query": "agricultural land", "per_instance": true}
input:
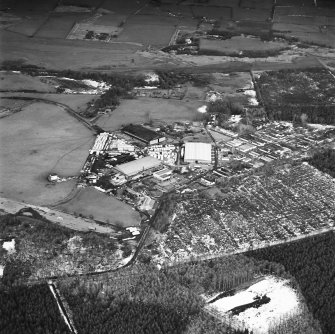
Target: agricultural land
{"points": [[167, 166]]}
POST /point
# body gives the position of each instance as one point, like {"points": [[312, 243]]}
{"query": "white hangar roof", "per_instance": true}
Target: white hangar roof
{"points": [[198, 152]]}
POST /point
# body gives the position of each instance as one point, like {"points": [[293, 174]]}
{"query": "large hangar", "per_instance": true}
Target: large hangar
{"points": [[198, 152], [132, 168]]}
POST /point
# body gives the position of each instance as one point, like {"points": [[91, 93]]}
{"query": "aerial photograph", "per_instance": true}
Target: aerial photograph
{"points": [[167, 167]]}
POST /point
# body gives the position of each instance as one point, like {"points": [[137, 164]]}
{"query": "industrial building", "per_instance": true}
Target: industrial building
{"points": [[163, 174], [198, 152], [143, 134], [132, 168]]}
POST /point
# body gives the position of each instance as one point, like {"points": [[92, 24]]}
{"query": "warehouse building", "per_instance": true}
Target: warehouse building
{"points": [[143, 134], [163, 174], [198, 152], [132, 168]]}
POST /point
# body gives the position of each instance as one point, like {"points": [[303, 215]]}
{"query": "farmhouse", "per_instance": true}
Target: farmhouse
{"points": [[143, 134], [198, 152], [132, 168]]}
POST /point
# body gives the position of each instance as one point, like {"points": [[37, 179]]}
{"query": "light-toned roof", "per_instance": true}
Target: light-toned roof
{"points": [[198, 151], [137, 166]]}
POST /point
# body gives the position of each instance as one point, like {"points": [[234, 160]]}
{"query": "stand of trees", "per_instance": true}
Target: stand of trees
{"points": [[312, 262], [323, 114], [30, 310], [150, 303], [162, 220], [324, 161]]}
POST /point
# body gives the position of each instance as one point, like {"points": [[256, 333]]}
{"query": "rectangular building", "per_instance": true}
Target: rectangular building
{"points": [[135, 167], [143, 134], [163, 174], [198, 152]]}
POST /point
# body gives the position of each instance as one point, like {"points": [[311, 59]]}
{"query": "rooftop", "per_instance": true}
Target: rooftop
{"points": [[141, 132]]}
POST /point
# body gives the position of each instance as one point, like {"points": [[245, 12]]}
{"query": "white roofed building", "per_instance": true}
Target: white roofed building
{"points": [[132, 168], [198, 152]]}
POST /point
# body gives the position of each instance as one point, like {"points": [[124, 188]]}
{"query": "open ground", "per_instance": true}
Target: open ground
{"points": [[142, 110], [91, 202], [36, 141]]}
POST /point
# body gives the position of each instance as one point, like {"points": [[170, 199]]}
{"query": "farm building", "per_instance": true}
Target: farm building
{"points": [[143, 134], [135, 167], [163, 174], [198, 152]]}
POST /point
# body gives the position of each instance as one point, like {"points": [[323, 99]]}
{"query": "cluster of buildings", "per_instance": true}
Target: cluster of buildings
{"points": [[273, 141]]}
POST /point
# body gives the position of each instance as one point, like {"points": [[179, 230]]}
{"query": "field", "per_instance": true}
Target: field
{"points": [[239, 45], [260, 210], [10, 81], [141, 110], [217, 13], [125, 7], [29, 25], [32, 6], [243, 14], [62, 54], [59, 25], [298, 87], [148, 30], [35, 142], [102, 207]]}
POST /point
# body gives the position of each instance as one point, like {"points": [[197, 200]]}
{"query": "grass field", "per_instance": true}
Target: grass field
{"points": [[212, 12], [65, 54], [59, 25], [149, 30], [77, 102], [241, 14], [103, 208], [32, 5], [258, 4], [18, 81], [141, 109], [126, 7], [34, 142], [29, 25], [237, 44]]}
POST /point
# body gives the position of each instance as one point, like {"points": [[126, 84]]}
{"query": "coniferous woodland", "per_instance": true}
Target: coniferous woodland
{"points": [[312, 262], [30, 310], [137, 301]]}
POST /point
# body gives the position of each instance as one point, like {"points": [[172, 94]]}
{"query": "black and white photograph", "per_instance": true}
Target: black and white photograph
{"points": [[167, 167]]}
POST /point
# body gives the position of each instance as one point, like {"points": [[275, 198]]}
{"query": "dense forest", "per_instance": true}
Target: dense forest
{"points": [[322, 114], [312, 262], [324, 161], [162, 220], [145, 301], [30, 310]]}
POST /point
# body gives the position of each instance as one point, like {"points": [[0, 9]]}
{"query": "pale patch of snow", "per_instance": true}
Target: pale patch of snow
{"points": [[202, 109], [253, 101], [250, 92], [321, 126], [235, 118], [151, 77], [1, 270], [284, 301], [9, 246], [147, 87]]}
